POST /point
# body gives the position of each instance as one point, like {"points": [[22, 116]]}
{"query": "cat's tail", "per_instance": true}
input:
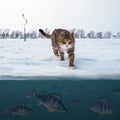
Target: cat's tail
{"points": [[44, 34]]}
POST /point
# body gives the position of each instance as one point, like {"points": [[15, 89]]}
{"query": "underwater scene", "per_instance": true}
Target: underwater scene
{"points": [[59, 99]]}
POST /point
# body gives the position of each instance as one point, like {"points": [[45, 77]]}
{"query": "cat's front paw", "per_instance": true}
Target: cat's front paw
{"points": [[72, 67]]}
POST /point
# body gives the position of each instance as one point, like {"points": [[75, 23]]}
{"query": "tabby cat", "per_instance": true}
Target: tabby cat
{"points": [[62, 41]]}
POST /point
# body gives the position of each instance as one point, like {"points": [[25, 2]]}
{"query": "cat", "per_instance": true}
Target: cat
{"points": [[62, 41]]}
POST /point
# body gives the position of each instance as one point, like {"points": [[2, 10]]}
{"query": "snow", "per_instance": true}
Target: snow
{"points": [[94, 58]]}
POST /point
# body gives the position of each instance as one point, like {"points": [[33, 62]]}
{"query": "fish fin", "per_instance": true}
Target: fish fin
{"points": [[56, 95], [22, 114], [101, 114], [39, 103], [44, 92], [32, 93], [22, 105], [50, 110]]}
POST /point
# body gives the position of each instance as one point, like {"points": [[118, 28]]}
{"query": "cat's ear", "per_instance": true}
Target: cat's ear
{"points": [[72, 34], [62, 34]]}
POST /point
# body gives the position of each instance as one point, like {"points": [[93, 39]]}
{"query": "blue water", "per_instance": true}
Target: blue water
{"points": [[77, 96]]}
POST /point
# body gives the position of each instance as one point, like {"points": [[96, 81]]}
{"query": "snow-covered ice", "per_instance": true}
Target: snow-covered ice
{"points": [[94, 58]]}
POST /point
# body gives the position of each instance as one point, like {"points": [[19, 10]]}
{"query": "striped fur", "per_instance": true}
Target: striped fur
{"points": [[62, 41]]}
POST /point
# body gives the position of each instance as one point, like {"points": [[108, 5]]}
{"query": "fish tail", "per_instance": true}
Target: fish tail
{"points": [[32, 93]]}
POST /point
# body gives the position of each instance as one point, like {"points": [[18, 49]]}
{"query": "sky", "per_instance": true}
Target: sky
{"points": [[98, 15]]}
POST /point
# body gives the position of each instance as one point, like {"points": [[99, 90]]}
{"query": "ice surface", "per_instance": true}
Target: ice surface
{"points": [[97, 58]]}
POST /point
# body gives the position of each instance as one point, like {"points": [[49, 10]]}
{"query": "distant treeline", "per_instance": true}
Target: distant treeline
{"points": [[78, 33]]}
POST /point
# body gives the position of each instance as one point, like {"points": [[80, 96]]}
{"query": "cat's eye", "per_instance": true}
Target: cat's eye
{"points": [[64, 42]]}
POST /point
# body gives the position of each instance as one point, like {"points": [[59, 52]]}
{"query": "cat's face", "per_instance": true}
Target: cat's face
{"points": [[67, 41], [66, 44]]}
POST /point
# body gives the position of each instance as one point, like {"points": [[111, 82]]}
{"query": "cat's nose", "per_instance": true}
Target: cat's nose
{"points": [[66, 45]]}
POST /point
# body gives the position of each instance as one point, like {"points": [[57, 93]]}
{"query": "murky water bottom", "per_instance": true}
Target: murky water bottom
{"points": [[78, 96]]}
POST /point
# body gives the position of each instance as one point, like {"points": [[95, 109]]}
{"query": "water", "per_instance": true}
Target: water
{"points": [[77, 96]]}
